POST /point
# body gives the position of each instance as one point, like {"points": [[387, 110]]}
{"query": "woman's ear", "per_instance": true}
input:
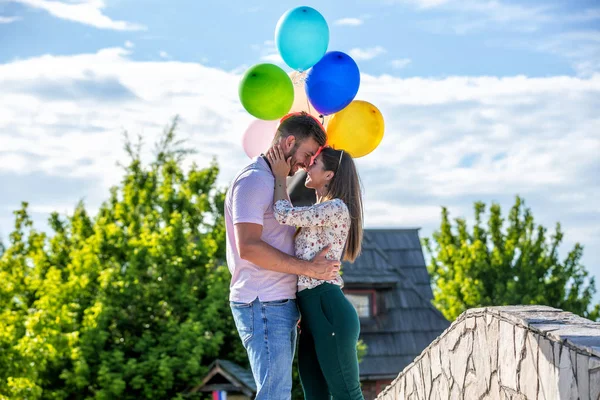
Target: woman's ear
{"points": [[329, 176]]}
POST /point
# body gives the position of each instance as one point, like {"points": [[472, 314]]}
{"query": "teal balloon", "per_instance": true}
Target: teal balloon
{"points": [[266, 91], [302, 37]]}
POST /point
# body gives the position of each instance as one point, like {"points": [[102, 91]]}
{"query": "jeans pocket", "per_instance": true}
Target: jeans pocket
{"points": [[277, 302], [243, 316]]}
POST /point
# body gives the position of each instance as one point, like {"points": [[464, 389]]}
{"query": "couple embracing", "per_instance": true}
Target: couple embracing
{"points": [[285, 264]]}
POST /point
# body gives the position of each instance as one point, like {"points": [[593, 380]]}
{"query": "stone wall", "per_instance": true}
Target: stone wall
{"points": [[514, 352]]}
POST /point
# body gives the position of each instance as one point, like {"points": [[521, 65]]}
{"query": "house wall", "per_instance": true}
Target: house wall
{"points": [[371, 388], [513, 352]]}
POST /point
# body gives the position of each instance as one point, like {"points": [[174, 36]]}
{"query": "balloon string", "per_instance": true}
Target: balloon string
{"points": [[301, 77]]}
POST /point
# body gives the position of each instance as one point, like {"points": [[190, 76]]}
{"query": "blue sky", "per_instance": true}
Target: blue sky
{"points": [[483, 100], [452, 38]]}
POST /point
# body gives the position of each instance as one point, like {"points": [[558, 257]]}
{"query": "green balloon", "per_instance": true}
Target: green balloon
{"points": [[266, 91]]}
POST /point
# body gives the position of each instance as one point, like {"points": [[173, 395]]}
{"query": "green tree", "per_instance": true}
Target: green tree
{"points": [[129, 304], [509, 262]]}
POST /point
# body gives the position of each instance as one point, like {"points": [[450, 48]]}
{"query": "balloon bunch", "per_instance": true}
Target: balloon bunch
{"points": [[324, 84]]}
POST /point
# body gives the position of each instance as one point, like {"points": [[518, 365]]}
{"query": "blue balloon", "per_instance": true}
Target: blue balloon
{"points": [[302, 37], [333, 82]]}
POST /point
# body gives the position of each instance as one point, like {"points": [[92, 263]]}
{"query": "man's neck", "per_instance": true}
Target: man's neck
{"points": [[267, 161]]}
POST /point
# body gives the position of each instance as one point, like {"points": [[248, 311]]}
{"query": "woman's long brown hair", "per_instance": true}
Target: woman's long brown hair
{"points": [[345, 185]]}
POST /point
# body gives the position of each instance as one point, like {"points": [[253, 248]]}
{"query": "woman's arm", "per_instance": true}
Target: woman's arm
{"points": [[330, 212], [280, 166], [280, 189]]}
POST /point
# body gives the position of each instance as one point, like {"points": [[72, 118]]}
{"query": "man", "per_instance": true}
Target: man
{"points": [[260, 255]]}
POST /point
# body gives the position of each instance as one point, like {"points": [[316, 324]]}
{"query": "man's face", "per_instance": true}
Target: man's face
{"points": [[301, 153]]}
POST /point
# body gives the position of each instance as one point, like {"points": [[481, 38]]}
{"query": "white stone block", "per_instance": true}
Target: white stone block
{"points": [[595, 384], [482, 356], [455, 392], [520, 338], [548, 375], [451, 337], [446, 357], [413, 396], [419, 382], [460, 357], [583, 377], [474, 385], [567, 386], [436, 362], [593, 363], [387, 396], [409, 382], [470, 323], [519, 396], [425, 366], [492, 343], [494, 387], [507, 361], [440, 389], [399, 390], [528, 378]]}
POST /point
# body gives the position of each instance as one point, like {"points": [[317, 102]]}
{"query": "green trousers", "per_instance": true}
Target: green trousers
{"points": [[327, 358]]}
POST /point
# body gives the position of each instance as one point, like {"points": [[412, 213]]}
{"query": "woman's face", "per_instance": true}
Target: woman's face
{"points": [[317, 177]]}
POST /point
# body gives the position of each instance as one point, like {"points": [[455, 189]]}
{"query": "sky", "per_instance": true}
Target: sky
{"points": [[482, 100]]}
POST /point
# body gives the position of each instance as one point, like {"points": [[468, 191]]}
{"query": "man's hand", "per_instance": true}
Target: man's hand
{"points": [[322, 268]]}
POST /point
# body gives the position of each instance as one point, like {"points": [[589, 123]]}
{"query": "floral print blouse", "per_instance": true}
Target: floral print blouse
{"points": [[321, 224]]}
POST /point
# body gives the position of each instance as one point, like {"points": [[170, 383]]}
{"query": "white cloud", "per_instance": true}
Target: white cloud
{"points": [[448, 141], [8, 20], [269, 53], [129, 44], [349, 22], [466, 16], [581, 48], [400, 63], [366, 54], [274, 58], [504, 12], [422, 3], [163, 54], [88, 12]]}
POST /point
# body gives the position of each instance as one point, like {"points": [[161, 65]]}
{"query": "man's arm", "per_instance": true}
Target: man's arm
{"points": [[252, 248]]}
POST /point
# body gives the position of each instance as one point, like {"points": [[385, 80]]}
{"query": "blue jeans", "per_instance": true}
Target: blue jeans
{"points": [[268, 332]]}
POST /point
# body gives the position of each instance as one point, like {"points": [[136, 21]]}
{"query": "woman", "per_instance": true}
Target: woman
{"points": [[329, 328]]}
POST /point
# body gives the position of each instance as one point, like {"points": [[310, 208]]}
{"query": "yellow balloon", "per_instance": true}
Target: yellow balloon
{"points": [[301, 102], [357, 129]]}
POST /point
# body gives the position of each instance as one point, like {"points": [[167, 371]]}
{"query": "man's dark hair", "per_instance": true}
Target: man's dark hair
{"points": [[302, 126]]}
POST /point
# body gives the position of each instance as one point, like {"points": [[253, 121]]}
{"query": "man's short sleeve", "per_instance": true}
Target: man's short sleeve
{"points": [[251, 197]]}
